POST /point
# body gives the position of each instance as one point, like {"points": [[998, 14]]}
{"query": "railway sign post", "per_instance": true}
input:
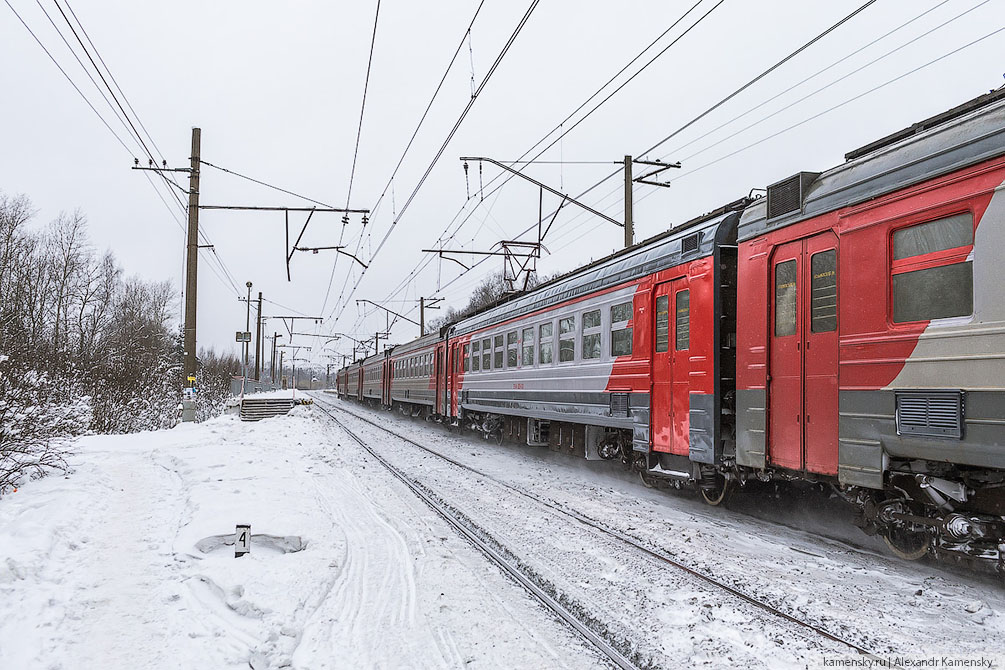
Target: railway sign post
{"points": [[242, 540]]}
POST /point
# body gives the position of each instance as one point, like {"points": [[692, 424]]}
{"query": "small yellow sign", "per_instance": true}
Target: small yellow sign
{"points": [[191, 379]]}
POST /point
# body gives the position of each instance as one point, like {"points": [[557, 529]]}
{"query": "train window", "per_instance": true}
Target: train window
{"points": [[498, 352], [528, 347], [934, 293], [683, 321], [622, 312], [467, 357], [662, 323], [621, 334], [785, 298], [949, 233], [932, 276], [475, 356], [545, 348], [823, 290], [591, 334], [512, 351], [486, 354], [566, 339]]}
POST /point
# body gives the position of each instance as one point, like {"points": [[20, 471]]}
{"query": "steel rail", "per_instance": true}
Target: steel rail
{"points": [[632, 541], [493, 554]]}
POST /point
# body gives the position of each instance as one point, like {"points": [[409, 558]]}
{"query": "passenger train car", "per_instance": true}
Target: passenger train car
{"points": [[848, 328]]}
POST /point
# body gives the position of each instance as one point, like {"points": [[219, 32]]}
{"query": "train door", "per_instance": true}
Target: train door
{"points": [[385, 387], [803, 369], [440, 382], [671, 367], [449, 380]]}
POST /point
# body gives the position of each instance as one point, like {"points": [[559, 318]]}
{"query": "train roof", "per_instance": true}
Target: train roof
{"points": [[691, 240], [372, 358], [962, 136], [415, 345]]}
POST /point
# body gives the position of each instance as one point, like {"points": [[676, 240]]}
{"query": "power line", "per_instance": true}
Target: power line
{"points": [[761, 76], [83, 67], [268, 185], [72, 83], [450, 136], [408, 146], [216, 256], [117, 108], [127, 124], [806, 79], [560, 126], [102, 76], [729, 97], [848, 100], [169, 178], [362, 107]]}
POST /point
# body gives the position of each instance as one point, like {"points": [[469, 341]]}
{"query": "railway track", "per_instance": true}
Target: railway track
{"points": [[497, 557], [598, 526]]}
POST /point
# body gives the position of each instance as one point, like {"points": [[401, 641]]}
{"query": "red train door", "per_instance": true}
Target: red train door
{"points": [[680, 343], [803, 374], [385, 396], [440, 379], [671, 367]]}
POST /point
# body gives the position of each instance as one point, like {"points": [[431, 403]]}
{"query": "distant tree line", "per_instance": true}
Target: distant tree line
{"points": [[83, 349]]}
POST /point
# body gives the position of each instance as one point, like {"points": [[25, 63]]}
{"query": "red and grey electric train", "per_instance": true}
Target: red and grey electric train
{"points": [[848, 329]]}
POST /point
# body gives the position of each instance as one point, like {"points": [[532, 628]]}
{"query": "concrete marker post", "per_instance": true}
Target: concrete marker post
{"points": [[242, 540]]}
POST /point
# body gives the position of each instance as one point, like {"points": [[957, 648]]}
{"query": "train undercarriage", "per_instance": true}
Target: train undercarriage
{"points": [[954, 513]]}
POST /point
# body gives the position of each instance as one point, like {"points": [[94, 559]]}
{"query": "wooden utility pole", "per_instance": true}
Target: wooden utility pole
{"points": [[191, 274], [258, 339], [629, 232]]}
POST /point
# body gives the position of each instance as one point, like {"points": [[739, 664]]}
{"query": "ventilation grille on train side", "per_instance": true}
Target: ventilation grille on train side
{"points": [[619, 404], [787, 195], [690, 243], [931, 413]]}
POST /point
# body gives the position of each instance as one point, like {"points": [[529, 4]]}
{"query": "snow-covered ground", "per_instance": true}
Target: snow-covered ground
{"points": [[119, 564], [125, 562], [891, 607]]}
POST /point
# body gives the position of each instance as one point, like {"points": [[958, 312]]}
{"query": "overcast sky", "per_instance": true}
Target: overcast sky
{"points": [[277, 90]]}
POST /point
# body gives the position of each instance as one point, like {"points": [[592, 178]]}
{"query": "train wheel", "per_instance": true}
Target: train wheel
{"points": [[719, 494], [649, 482], [907, 545]]}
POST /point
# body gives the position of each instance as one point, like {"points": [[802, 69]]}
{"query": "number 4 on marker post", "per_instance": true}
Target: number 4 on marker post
{"points": [[242, 540]]}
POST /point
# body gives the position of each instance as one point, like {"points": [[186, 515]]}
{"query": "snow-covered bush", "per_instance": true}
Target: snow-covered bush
{"points": [[81, 347], [39, 417]]}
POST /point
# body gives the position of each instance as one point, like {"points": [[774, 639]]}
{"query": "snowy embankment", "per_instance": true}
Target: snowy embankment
{"points": [[124, 563]]}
